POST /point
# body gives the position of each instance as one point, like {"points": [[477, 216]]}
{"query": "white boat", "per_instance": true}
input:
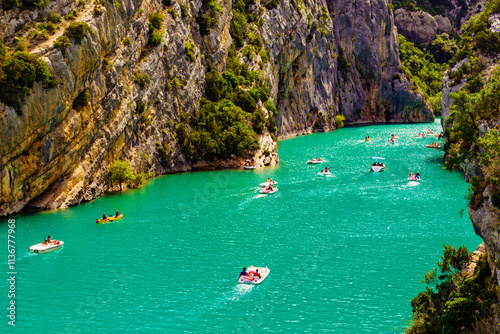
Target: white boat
{"points": [[325, 173], [378, 166], [44, 247], [310, 162], [413, 179], [249, 167], [267, 184], [266, 191], [250, 279]]}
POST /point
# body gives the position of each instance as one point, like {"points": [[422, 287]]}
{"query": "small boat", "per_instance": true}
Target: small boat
{"points": [[249, 167], [392, 141], [421, 135], [434, 146], [378, 166], [266, 191], [250, 279], [44, 247], [110, 219], [325, 173], [267, 184], [310, 162], [413, 178]]}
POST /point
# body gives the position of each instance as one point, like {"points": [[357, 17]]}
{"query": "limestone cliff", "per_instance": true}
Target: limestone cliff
{"points": [[327, 58]]}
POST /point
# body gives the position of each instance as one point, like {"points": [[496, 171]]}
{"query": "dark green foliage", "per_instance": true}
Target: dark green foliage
{"points": [[344, 65], [212, 10], [272, 4], [155, 35], [216, 130], [495, 199], [9, 4], [433, 7], [185, 10], [214, 85], [82, 99], [62, 43], [190, 52], [142, 79], [270, 106], [443, 48], [54, 17], [204, 22], [18, 73], [140, 107], [264, 93], [157, 20], [77, 31], [238, 29], [245, 101]]}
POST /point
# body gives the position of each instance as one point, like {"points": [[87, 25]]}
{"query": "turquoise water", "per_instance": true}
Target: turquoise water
{"points": [[346, 252]]}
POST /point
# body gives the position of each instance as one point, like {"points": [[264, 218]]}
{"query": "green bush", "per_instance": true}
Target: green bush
{"points": [[155, 36], [77, 31], [173, 13], [245, 101], [20, 71], [238, 29], [120, 172], [140, 107], [272, 4], [190, 52], [270, 106], [157, 20], [339, 121], [62, 43], [142, 79], [54, 17], [495, 199]]}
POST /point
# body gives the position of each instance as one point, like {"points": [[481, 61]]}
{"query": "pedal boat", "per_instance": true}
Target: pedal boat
{"points": [[314, 162], [44, 247], [267, 184], [266, 191], [249, 279]]}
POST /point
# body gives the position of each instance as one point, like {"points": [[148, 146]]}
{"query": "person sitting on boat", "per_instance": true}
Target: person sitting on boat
{"points": [[417, 175], [314, 159], [319, 159], [243, 272], [117, 214], [270, 187], [47, 241], [104, 216], [257, 274], [411, 175]]}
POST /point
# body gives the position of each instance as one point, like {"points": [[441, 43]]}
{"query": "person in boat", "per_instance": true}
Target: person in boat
{"points": [[417, 175], [270, 188], [411, 175], [319, 159], [117, 214], [243, 272], [104, 216], [47, 241], [257, 274], [314, 159]]}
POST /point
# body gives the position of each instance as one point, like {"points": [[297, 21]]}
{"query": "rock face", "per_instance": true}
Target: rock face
{"points": [[420, 27], [327, 58]]}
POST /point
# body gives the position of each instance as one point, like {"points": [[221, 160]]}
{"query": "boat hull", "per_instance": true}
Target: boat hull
{"points": [[378, 168], [263, 191], [315, 162], [109, 220]]}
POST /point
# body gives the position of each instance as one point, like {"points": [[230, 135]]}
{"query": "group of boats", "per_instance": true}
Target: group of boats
{"points": [[268, 187]]}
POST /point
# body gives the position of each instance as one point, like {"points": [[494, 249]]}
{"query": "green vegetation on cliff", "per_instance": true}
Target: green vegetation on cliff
{"points": [[121, 172], [18, 74], [421, 68], [457, 304]]}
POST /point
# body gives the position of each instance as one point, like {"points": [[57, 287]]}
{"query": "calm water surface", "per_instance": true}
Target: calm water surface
{"points": [[346, 252]]}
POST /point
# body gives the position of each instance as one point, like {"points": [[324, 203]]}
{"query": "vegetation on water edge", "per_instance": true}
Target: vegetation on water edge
{"points": [[457, 304], [18, 73], [121, 172]]}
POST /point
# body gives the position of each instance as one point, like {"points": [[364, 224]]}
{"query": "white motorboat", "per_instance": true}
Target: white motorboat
{"points": [[249, 167], [267, 184], [378, 166], [250, 278], [44, 247], [311, 162], [267, 191]]}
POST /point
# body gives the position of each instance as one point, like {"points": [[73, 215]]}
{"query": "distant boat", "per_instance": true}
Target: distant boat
{"points": [[310, 162], [110, 219], [434, 146], [267, 191], [267, 184], [249, 167], [378, 166]]}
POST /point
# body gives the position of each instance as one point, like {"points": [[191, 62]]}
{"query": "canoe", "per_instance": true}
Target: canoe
{"points": [[265, 191], [311, 162], [43, 247], [266, 184], [378, 168], [248, 279], [110, 219]]}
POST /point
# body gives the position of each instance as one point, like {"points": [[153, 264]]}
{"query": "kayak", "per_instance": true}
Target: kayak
{"points": [[44, 247], [110, 219], [265, 191], [267, 184], [310, 162], [251, 279]]}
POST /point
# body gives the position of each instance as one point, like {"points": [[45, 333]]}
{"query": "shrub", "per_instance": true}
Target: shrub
{"points": [[62, 42], [142, 79], [495, 199], [128, 41], [272, 4], [173, 13], [339, 121], [185, 10], [245, 101], [140, 107], [82, 99], [157, 20], [155, 36], [77, 31], [270, 106], [54, 17], [190, 52]]}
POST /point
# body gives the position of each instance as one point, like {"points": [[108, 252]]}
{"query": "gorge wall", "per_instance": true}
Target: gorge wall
{"points": [[327, 58]]}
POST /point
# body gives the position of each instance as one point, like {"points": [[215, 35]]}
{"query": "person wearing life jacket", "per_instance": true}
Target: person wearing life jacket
{"points": [[243, 272]]}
